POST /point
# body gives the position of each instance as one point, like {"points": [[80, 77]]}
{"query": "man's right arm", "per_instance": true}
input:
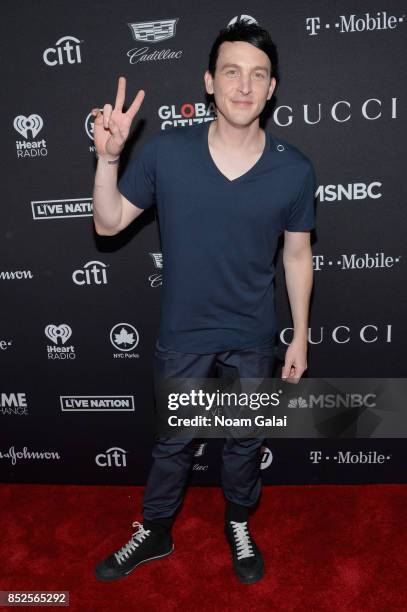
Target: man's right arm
{"points": [[112, 212]]}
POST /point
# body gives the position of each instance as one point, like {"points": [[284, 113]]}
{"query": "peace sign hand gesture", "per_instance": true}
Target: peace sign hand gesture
{"points": [[112, 127]]}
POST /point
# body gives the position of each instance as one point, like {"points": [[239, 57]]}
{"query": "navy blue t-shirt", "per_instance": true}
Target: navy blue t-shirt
{"points": [[219, 236]]}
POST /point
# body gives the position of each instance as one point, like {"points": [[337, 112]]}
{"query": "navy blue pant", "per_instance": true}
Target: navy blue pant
{"points": [[172, 457]]}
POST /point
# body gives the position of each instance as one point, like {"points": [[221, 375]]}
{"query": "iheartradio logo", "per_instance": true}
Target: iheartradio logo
{"points": [[58, 333], [22, 124]]}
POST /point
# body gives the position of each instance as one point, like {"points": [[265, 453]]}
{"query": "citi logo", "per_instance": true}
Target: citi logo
{"points": [[353, 23], [92, 273], [342, 334], [351, 191], [113, 457], [340, 111], [66, 51]]}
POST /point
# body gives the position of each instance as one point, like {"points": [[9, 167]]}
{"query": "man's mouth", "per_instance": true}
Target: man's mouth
{"points": [[242, 102]]}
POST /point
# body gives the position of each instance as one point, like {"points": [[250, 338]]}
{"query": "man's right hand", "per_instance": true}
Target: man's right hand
{"points": [[112, 127]]}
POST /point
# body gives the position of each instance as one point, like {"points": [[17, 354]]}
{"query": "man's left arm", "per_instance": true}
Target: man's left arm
{"points": [[298, 268]]}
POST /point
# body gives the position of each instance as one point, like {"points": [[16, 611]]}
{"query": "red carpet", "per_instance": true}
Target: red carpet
{"points": [[326, 548]]}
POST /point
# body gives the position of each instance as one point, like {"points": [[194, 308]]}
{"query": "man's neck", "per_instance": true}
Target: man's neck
{"points": [[226, 136]]}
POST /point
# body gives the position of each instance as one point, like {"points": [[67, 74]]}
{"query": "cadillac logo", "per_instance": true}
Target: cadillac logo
{"points": [[153, 31]]}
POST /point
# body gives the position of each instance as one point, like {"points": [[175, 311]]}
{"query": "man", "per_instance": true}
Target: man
{"points": [[225, 191]]}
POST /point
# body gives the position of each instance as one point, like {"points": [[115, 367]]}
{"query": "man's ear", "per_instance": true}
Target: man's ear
{"points": [[208, 82], [272, 87]]}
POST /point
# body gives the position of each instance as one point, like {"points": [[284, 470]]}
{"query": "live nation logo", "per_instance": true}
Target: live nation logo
{"points": [[29, 127], [367, 22], [97, 403], [355, 261], [59, 335], [349, 457], [61, 209], [156, 279], [124, 337], [152, 32]]}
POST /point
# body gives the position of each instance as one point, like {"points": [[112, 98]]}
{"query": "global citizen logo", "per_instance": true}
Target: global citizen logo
{"points": [[61, 209], [113, 457], [13, 404], [16, 275], [355, 23], [188, 113], [361, 457], [97, 403], [124, 337], [92, 273], [343, 334], [67, 50], [29, 127], [156, 279], [59, 335], [350, 191], [340, 111], [356, 261], [152, 32], [27, 455]]}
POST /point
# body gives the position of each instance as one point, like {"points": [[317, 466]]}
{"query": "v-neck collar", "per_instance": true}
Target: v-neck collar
{"points": [[214, 167]]}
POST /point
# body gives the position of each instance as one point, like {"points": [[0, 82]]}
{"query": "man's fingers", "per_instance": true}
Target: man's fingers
{"points": [[135, 105], [121, 94], [107, 111]]}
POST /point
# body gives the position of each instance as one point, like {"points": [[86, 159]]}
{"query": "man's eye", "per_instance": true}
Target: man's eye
{"points": [[231, 72], [259, 75]]}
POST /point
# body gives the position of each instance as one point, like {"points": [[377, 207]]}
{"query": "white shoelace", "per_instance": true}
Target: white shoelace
{"points": [[138, 536], [242, 538]]}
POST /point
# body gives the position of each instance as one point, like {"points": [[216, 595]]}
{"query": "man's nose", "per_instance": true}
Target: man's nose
{"points": [[245, 84]]}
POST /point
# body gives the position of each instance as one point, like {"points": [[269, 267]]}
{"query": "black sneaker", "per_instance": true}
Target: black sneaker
{"points": [[145, 545], [247, 559]]}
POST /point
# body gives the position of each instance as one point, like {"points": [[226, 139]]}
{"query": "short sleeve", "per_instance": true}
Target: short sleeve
{"points": [[137, 183], [301, 216]]}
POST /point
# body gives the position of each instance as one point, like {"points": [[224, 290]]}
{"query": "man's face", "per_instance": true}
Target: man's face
{"points": [[242, 83]]}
